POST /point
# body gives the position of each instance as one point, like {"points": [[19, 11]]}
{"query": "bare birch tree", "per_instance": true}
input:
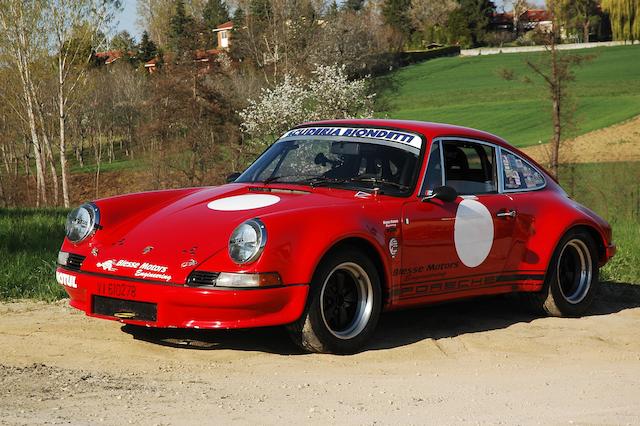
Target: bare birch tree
{"points": [[556, 71], [23, 40], [74, 25]]}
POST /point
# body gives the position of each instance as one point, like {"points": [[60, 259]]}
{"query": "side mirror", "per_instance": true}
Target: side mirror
{"points": [[233, 176], [444, 193]]}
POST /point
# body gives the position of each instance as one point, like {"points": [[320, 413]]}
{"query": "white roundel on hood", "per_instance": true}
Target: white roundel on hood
{"points": [[473, 232], [243, 202]]}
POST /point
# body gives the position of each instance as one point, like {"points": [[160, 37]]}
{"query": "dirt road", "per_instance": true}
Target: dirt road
{"points": [[481, 361], [620, 142]]}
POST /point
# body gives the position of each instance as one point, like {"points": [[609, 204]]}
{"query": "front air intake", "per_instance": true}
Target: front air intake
{"points": [[74, 262], [202, 279]]}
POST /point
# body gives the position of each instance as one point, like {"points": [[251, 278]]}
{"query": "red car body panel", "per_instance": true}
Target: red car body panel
{"points": [[150, 242]]}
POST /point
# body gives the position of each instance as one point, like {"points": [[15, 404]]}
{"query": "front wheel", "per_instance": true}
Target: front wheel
{"points": [[343, 306], [572, 278]]}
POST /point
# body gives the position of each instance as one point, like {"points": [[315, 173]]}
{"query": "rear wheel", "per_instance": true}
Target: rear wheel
{"points": [[343, 306], [572, 278]]}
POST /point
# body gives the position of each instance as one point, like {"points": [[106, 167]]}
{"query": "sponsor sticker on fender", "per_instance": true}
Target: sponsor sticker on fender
{"points": [[143, 270], [393, 247], [66, 280]]}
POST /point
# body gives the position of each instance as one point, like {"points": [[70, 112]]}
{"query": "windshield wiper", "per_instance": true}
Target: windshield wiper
{"points": [[272, 179], [378, 181], [306, 181], [323, 181]]}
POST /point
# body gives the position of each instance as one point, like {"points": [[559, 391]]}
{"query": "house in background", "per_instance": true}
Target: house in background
{"points": [[200, 56], [502, 22], [224, 34], [535, 19], [110, 56]]}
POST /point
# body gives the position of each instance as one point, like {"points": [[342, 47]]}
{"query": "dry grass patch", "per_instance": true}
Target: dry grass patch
{"points": [[617, 143]]}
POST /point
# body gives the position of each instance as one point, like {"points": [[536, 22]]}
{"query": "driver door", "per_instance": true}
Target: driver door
{"points": [[456, 249]]}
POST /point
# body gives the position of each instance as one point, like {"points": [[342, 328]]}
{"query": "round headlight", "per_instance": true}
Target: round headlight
{"points": [[81, 222], [247, 241]]}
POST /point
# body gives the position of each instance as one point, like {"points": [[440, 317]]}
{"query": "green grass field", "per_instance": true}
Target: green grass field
{"points": [[29, 243], [613, 191], [470, 91], [30, 239]]}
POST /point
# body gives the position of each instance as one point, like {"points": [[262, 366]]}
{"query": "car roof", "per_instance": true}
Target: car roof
{"points": [[428, 129]]}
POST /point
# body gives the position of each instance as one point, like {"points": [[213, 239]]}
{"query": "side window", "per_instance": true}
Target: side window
{"points": [[433, 177], [518, 174], [470, 167]]}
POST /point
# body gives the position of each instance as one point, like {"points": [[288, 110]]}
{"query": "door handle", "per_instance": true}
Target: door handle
{"points": [[508, 213]]}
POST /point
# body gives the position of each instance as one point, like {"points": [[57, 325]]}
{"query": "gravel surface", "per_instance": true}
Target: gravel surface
{"points": [[481, 362]]}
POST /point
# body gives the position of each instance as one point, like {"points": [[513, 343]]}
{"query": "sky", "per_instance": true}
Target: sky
{"points": [[127, 18]]}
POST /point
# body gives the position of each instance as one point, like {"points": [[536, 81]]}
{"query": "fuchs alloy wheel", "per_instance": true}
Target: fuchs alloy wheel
{"points": [[572, 278], [343, 306]]}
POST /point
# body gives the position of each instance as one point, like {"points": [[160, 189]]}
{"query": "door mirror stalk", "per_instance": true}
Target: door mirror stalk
{"points": [[444, 193]]}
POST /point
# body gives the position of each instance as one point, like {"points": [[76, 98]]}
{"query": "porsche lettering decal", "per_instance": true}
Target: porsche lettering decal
{"points": [[432, 288]]}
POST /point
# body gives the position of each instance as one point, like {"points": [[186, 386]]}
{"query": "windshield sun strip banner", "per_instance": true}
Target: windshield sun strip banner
{"points": [[359, 132]]}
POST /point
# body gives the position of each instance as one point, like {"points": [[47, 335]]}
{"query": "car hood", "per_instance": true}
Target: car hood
{"points": [[165, 243]]}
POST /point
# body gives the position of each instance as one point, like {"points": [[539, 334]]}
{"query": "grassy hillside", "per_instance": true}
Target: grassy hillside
{"points": [[471, 92]]}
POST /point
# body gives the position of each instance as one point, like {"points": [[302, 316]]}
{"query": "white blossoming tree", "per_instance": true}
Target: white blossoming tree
{"points": [[329, 94]]}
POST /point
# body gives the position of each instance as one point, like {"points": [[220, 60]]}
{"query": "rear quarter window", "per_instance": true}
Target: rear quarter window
{"points": [[517, 174]]}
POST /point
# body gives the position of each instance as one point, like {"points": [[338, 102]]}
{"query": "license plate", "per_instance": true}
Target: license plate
{"points": [[124, 309], [125, 291]]}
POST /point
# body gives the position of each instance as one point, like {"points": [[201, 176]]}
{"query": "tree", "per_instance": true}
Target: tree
{"points": [[431, 17], [625, 18], [518, 7], [215, 13], [123, 42], [332, 10], [22, 39], [181, 28], [396, 15], [154, 16], [73, 24], [555, 69], [470, 22], [329, 94], [147, 49], [354, 5], [579, 14], [357, 40]]}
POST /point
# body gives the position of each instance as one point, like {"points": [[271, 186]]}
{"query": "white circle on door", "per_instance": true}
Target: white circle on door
{"points": [[473, 232]]}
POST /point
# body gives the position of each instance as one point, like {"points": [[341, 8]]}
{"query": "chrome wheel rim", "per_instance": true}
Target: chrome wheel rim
{"points": [[574, 271], [346, 300]]}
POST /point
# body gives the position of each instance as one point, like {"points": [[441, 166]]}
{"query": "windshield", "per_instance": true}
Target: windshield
{"points": [[337, 162]]}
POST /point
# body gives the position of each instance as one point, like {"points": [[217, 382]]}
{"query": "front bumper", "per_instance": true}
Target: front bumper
{"points": [[188, 307]]}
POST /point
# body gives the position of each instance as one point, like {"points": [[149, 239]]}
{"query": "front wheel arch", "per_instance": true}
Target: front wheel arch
{"points": [[313, 331], [369, 250]]}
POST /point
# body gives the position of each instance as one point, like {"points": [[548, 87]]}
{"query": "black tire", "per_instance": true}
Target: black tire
{"points": [[343, 306], [572, 279]]}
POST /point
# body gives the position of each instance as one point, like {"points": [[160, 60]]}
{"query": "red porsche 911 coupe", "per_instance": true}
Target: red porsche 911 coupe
{"points": [[336, 222]]}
